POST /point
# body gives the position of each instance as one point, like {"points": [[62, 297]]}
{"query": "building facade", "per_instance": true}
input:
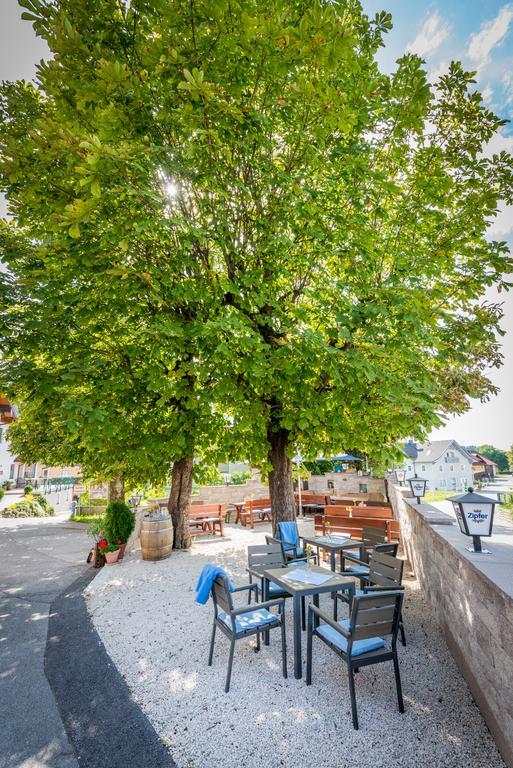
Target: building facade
{"points": [[445, 464]]}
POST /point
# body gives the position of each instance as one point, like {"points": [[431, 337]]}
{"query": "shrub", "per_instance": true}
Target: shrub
{"points": [[119, 521], [33, 505], [2, 493], [27, 489], [239, 478]]}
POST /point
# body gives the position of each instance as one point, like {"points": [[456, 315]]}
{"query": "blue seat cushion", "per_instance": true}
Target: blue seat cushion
{"points": [[249, 620], [275, 589], [358, 568], [359, 646]]}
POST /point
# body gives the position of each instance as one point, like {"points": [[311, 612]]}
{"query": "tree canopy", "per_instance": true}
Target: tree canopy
{"points": [[495, 454], [278, 246]]}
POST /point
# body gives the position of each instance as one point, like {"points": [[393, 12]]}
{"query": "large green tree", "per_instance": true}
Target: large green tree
{"points": [[497, 455], [243, 169]]}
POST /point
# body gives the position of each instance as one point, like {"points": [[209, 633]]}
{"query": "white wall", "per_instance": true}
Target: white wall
{"points": [[6, 457], [455, 474]]}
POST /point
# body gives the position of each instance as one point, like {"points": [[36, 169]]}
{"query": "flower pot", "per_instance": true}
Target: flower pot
{"points": [[111, 557], [122, 548]]}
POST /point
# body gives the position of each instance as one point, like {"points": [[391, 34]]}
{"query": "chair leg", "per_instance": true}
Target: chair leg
{"points": [[212, 641], [401, 629], [283, 646], [309, 649], [353, 697], [335, 606], [257, 648], [303, 614], [230, 664], [398, 683], [250, 591]]}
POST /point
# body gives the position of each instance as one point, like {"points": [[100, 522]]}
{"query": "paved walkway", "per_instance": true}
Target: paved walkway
{"points": [[63, 704], [38, 560]]}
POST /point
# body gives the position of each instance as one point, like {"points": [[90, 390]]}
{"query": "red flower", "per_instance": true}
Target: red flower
{"points": [[103, 544]]}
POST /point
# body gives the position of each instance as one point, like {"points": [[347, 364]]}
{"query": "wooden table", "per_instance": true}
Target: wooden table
{"points": [[239, 506], [333, 545], [312, 508], [336, 583]]}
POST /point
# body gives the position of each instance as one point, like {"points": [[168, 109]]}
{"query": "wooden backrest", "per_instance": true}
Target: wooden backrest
{"points": [[375, 615], [264, 556], [372, 535], [371, 503], [385, 570], [338, 501], [337, 510], [221, 594], [206, 509], [384, 513], [254, 504], [314, 498]]}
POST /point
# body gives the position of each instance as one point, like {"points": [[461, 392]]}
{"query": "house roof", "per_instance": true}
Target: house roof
{"points": [[430, 452], [483, 459]]}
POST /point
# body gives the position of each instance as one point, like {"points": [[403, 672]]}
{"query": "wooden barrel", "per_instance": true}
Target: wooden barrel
{"points": [[156, 538]]}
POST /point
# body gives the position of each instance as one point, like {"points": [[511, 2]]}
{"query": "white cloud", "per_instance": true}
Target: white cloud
{"points": [[430, 36], [507, 82], [499, 143], [487, 93], [503, 222], [491, 34]]}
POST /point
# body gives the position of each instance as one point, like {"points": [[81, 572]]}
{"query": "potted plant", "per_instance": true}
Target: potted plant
{"points": [[119, 524], [111, 552], [96, 556]]}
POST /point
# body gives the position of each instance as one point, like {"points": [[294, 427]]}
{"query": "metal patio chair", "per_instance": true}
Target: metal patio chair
{"points": [[239, 623], [368, 637], [374, 540], [385, 574], [262, 557]]}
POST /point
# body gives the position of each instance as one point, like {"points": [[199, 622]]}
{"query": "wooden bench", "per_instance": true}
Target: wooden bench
{"points": [[353, 526], [315, 499], [204, 519], [255, 511]]}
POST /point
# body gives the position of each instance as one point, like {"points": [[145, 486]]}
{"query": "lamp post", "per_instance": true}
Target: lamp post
{"points": [[297, 460], [474, 514], [400, 475], [418, 487]]}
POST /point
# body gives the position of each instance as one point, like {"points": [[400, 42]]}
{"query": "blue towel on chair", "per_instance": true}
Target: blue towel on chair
{"points": [[207, 577], [289, 533]]}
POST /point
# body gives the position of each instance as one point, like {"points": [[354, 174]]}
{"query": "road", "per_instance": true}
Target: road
{"points": [[38, 560]]}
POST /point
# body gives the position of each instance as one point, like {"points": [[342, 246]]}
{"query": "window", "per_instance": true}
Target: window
{"points": [[409, 467], [423, 468], [11, 473], [1, 430], [452, 468], [442, 483], [363, 488], [441, 468]]}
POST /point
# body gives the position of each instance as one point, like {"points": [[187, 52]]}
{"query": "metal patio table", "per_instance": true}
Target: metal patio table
{"points": [[312, 509], [336, 583], [333, 545]]}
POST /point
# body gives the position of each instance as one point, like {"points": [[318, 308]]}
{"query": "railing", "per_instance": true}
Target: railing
{"points": [[47, 484]]}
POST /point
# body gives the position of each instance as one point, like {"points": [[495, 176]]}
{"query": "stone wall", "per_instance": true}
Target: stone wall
{"points": [[338, 483], [220, 494], [473, 597]]}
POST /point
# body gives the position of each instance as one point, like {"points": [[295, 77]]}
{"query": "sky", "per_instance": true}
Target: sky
{"points": [[478, 33]]}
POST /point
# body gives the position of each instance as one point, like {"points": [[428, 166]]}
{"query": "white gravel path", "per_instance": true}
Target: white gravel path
{"points": [[158, 637]]}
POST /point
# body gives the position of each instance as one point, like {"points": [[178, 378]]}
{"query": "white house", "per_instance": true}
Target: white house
{"points": [[443, 463]]}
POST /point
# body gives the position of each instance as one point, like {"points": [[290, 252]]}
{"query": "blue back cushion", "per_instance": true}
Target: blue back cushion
{"points": [[289, 532]]}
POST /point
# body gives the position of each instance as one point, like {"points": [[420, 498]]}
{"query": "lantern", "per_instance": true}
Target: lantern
{"points": [[400, 475], [418, 487], [474, 514]]}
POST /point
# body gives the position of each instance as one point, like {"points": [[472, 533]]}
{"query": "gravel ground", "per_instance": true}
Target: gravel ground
{"points": [[158, 637]]}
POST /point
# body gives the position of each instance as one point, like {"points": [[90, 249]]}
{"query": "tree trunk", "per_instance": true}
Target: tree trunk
{"points": [[179, 502], [280, 478], [117, 488]]}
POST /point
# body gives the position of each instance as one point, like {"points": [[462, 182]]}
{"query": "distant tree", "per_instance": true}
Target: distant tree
{"points": [[495, 454], [510, 458]]}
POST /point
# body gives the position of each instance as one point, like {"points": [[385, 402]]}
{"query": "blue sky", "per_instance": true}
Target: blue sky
{"points": [[478, 33]]}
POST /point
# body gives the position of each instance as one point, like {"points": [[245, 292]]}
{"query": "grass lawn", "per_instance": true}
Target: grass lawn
{"points": [[86, 518], [439, 495]]}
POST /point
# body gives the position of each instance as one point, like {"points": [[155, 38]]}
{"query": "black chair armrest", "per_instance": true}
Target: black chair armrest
{"points": [[380, 588], [257, 606], [254, 572], [338, 627], [246, 587]]}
